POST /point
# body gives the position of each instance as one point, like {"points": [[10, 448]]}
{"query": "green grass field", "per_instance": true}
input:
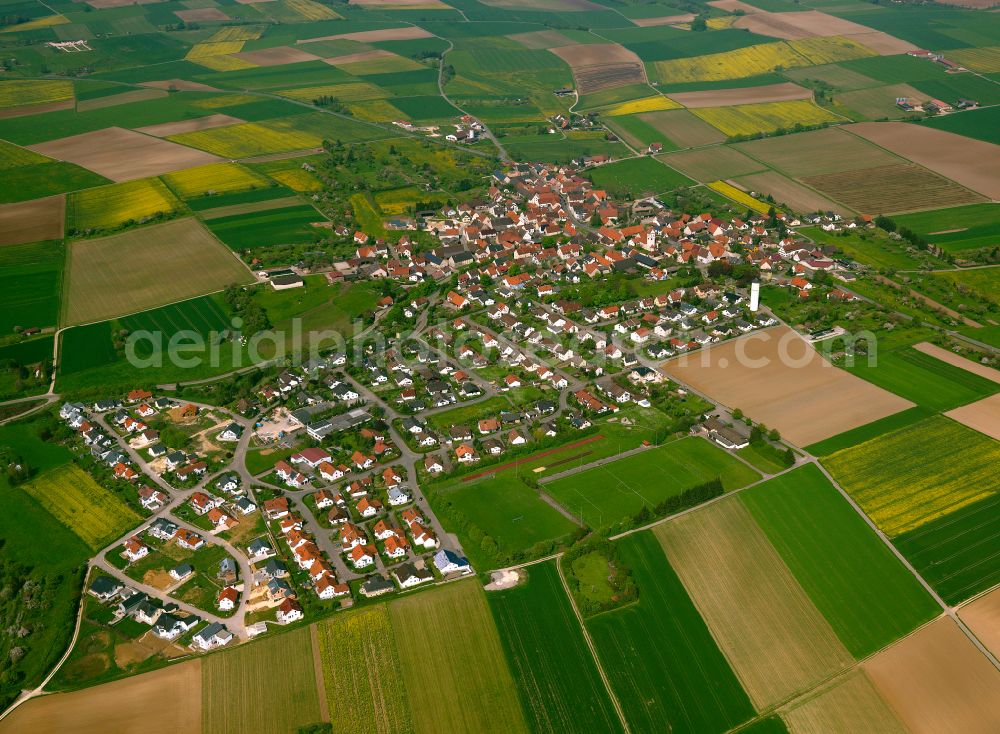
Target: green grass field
{"points": [[290, 225], [232, 682], [958, 554], [555, 674], [875, 250], [983, 124], [864, 592], [919, 473], [957, 228], [30, 282], [637, 177], [665, 668], [924, 379], [506, 509], [614, 491], [453, 663]]}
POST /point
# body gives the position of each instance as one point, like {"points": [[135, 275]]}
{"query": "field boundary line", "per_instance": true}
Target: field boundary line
{"points": [[593, 650]]}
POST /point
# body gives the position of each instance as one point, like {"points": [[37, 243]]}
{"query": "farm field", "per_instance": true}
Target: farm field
{"points": [[937, 681], [858, 585], [979, 124], [107, 208], [30, 278], [220, 178], [850, 704], [250, 139], [126, 273], [983, 416], [837, 400], [713, 164], [956, 467], [740, 197], [958, 361], [869, 431], [682, 128], [92, 512], [770, 631], [637, 177], [764, 117], [162, 702], [367, 694], [32, 221], [957, 553], [665, 668], [957, 228], [817, 152], [924, 379], [614, 491], [982, 616], [455, 622], [789, 193], [232, 680], [558, 683], [506, 509], [285, 225]]}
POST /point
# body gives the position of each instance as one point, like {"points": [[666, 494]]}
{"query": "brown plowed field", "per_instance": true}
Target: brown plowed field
{"points": [[750, 95], [902, 187], [983, 618], [958, 361], [276, 56], [123, 155], [850, 705], [201, 15], [983, 416], [972, 163], [166, 701], [682, 127], [406, 33], [113, 100], [31, 221], [189, 126], [786, 191], [601, 65], [938, 682], [664, 20], [777, 378]]}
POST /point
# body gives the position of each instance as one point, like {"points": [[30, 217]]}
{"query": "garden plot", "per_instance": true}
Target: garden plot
{"points": [[123, 155], [794, 390]]}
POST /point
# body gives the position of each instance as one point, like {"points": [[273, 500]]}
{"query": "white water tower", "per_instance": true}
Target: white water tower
{"points": [[754, 296]]}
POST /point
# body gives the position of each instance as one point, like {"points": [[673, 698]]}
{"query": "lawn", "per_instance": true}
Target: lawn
{"points": [[958, 554], [506, 509], [82, 505], [453, 663], [353, 648], [555, 673], [919, 473], [924, 379], [664, 666], [614, 491], [862, 589], [278, 669], [637, 177]]}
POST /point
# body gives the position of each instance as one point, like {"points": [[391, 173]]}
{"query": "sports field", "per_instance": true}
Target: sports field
{"points": [[771, 632], [467, 660], [556, 677], [363, 678], [619, 489], [665, 668], [508, 510], [924, 379], [94, 513], [130, 272], [856, 582], [917, 474], [232, 681]]}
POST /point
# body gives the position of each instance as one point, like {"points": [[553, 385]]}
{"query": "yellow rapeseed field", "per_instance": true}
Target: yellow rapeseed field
{"points": [[311, 10], [723, 21], [830, 49], [349, 92], [46, 22], [375, 110], [760, 59], [764, 117], [649, 104], [916, 474], [17, 92], [220, 178], [741, 197], [94, 513], [297, 179], [209, 48], [237, 33], [14, 156], [249, 139], [397, 201], [106, 207], [985, 60]]}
